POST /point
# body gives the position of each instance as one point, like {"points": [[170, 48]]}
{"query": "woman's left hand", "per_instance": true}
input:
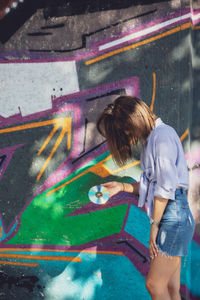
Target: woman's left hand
{"points": [[152, 241]]}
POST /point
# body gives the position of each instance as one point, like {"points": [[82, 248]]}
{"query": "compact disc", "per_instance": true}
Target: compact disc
{"points": [[98, 194]]}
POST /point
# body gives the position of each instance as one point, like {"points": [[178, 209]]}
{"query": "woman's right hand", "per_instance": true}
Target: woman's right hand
{"points": [[113, 187]]}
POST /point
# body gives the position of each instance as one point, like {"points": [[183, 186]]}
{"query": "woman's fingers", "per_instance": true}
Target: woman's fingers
{"points": [[109, 184], [153, 249], [113, 187], [152, 241]]}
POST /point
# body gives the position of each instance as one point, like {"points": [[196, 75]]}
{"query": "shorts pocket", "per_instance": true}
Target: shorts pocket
{"points": [[185, 215], [170, 215]]}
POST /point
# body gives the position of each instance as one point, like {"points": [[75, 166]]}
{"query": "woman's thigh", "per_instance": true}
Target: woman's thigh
{"points": [[174, 282], [162, 268]]}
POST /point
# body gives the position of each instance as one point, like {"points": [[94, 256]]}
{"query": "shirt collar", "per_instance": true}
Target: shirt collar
{"points": [[158, 122]]}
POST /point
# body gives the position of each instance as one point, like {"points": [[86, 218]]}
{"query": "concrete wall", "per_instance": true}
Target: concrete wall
{"points": [[61, 62]]}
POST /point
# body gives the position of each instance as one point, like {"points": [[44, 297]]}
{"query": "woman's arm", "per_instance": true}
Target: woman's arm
{"points": [[114, 187], [132, 188], [159, 207]]}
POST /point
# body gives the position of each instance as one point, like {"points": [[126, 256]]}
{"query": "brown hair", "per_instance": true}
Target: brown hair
{"points": [[123, 123]]}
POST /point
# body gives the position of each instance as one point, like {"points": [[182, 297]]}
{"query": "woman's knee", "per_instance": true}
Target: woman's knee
{"points": [[154, 288], [148, 285]]}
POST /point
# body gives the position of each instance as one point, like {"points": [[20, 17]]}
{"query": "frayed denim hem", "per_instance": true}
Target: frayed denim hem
{"points": [[163, 253]]}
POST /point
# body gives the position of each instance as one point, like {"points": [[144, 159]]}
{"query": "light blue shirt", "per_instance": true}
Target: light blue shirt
{"points": [[163, 164]]}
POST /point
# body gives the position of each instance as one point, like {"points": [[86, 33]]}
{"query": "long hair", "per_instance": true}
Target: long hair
{"points": [[123, 123]]}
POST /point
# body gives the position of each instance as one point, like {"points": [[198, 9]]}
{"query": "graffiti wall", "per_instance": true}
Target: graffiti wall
{"points": [[61, 63]]}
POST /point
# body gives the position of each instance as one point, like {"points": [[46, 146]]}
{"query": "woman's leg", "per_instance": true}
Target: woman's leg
{"points": [[162, 268], [174, 284]]}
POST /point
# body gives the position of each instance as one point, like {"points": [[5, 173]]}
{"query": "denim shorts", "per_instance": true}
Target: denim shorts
{"points": [[176, 227]]}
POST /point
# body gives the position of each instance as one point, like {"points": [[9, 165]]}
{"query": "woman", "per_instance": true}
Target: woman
{"points": [[162, 187]]}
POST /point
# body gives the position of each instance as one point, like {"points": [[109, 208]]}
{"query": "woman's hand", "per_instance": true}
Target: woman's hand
{"points": [[152, 241], [158, 210], [113, 187]]}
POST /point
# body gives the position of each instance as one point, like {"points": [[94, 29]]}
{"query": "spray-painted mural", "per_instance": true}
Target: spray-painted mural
{"points": [[56, 76]]}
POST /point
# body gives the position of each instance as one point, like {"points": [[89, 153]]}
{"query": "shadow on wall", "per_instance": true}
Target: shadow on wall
{"points": [[55, 212], [91, 275], [17, 16], [60, 8]]}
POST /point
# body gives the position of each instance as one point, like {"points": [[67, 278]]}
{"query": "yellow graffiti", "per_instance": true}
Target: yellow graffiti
{"points": [[59, 250], [41, 257], [27, 126], [91, 169], [14, 263], [184, 135], [154, 91], [102, 170], [65, 123], [48, 139], [195, 27], [132, 46]]}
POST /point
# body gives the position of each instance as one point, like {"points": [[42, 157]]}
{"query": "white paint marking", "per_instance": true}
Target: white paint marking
{"points": [[14, 4], [7, 10], [30, 86], [163, 237], [148, 30]]}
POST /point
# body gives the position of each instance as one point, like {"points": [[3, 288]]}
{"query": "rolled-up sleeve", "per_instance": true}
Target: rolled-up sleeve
{"points": [[166, 176]]}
